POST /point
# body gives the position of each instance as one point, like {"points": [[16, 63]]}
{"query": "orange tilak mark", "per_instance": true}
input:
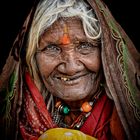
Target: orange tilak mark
{"points": [[65, 40]]}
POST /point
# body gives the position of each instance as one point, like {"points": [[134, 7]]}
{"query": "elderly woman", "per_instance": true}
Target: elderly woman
{"points": [[72, 73]]}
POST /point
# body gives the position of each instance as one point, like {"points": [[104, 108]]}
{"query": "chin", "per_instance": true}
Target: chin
{"points": [[72, 96]]}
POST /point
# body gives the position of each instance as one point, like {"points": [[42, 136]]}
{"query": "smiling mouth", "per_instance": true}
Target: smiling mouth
{"points": [[69, 78]]}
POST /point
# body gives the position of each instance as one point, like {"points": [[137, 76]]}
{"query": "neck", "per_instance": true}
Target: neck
{"points": [[76, 105]]}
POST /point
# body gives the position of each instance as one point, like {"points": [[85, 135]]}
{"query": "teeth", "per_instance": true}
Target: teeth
{"points": [[65, 79]]}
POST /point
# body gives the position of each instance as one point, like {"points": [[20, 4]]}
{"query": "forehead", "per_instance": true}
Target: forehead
{"points": [[74, 29]]}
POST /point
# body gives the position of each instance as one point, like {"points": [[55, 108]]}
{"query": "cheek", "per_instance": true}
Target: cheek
{"points": [[92, 62], [45, 65]]}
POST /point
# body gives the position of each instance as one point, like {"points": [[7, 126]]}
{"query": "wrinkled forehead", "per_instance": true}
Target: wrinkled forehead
{"points": [[70, 23], [72, 26]]}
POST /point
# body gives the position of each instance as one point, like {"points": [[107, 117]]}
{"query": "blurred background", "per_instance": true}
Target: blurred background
{"points": [[13, 14]]}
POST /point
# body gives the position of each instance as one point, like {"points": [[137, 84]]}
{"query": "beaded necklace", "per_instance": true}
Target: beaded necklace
{"points": [[62, 110]]}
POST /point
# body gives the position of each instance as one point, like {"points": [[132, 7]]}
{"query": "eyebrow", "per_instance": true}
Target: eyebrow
{"points": [[95, 42]]}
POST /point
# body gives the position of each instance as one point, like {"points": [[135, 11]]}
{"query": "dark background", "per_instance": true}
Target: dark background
{"points": [[14, 12]]}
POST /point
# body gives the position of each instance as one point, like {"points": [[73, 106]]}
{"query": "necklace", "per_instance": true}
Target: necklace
{"points": [[62, 110]]}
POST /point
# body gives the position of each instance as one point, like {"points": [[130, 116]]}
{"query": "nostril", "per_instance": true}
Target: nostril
{"points": [[70, 65], [70, 68]]}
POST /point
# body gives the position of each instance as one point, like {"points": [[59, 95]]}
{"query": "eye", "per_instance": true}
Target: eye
{"points": [[52, 49], [85, 48]]}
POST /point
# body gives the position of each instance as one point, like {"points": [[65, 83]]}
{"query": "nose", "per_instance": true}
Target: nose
{"points": [[70, 64]]}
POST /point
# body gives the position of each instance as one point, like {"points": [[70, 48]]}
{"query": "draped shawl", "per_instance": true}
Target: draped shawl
{"points": [[121, 67]]}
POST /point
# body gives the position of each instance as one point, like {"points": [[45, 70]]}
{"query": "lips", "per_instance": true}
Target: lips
{"points": [[65, 78]]}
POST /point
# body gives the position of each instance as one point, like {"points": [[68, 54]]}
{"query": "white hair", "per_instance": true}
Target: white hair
{"points": [[49, 11]]}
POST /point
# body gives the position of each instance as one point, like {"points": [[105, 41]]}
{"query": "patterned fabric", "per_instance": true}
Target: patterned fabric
{"points": [[35, 118], [121, 66]]}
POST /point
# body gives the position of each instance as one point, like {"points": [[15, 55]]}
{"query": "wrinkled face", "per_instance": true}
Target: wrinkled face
{"points": [[68, 61]]}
